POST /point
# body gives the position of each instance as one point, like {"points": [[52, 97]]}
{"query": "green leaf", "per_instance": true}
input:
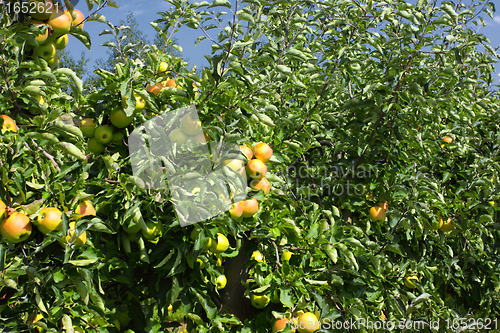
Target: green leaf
{"points": [[70, 149], [77, 85], [422, 298], [332, 253], [220, 3], [82, 289]]}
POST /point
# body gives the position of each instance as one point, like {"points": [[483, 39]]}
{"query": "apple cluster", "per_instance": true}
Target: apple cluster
{"points": [[256, 170], [16, 226], [218, 246], [55, 25], [156, 88], [102, 135]]}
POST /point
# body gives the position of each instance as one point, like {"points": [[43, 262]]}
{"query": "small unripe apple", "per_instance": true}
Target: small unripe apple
{"points": [[119, 118], [87, 126], [95, 147], [177, 135], [118, 138], [103, 134], [163, 67], [221, 282], [61, 42]]}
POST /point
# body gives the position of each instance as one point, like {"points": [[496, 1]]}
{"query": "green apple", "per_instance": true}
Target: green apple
{"points": [[131, 230], [177, 135], [221, 282], [259, 302], [61, 42], [87, 126], [46, 51], [52, 61], [119, 118], [118, 138], [153, 230], [103, 134], [95, 147], [163, 67]]}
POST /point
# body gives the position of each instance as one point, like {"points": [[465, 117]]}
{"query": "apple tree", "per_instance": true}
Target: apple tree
{"points": [[379, 207]]}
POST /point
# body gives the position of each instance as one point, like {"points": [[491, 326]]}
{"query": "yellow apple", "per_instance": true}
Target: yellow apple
{"points": [[263, 152], [259, 302], [221, 245], [236, 210], [250, 207], [72, 238], [248, 152], [140, 103], [50, 219], [308, 323], [2, 210], [163, 67], [41, 38], [84, 208], [221, 282], [286, 255], [448, 226], [16, 227], [262, 184], [8, 124], [377, 213], [78, 18], [154, 89], [257, 256], [256, 169], [60, 22], [447, 139], [190, 125], [280, 324]]}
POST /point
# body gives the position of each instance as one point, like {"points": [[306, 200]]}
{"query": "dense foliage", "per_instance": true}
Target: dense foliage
{"points": [[354, 98]]}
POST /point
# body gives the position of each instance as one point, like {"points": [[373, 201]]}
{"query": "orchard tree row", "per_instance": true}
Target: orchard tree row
{"points": [[362, 187]]}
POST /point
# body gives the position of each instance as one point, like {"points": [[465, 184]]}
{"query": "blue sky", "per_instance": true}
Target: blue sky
{"points": [[146, 11]]}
